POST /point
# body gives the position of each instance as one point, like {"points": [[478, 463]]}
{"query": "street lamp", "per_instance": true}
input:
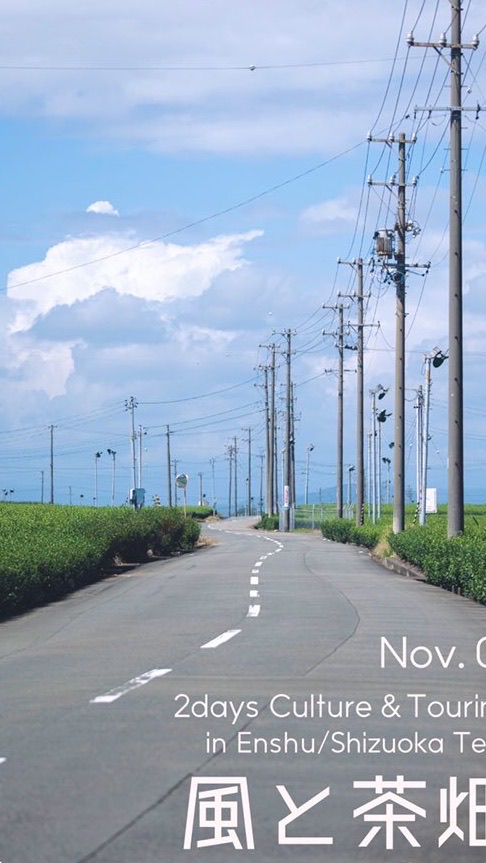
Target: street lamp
{"points": [[112, 452], [310, 447], [381, 392], [436, 357], [350, 470], [97, 455]]}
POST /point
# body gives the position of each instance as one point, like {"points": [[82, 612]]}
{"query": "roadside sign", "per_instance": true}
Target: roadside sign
{"points": [[181, 480]]}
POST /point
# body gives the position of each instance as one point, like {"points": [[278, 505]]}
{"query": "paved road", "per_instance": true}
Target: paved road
{"points": [[213, 696]]}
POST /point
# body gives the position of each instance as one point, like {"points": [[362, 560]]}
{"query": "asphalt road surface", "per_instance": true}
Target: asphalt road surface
{"points": [[271, 697]]}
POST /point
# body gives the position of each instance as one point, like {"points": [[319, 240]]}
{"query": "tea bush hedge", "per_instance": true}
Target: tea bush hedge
{"points": [[46, 550], [458, 564], [344, 530]]}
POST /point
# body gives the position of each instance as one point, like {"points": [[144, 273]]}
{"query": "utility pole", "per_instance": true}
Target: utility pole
{"points": [[360, 472], [260, 506], [359, 402], [419, 433], [248, 489], [455, 507], [230, 460], [51, 428], [235, 453], [268, 446], [385, 248], [130, 405], [293, 495], [273, 431], [169, 478], [287, 503], [141, 432], [340, 428], [213, 496], [269, 386], [42, 486], [399, 449], [200, 476], [176, 501], [340, 407]]}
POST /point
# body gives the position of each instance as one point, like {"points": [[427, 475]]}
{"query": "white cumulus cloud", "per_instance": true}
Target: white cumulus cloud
{"points": [[102, 208], [81, 278]]}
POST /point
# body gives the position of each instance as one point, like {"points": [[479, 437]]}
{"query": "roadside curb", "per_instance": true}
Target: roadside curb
{"points": [[399, 566]]}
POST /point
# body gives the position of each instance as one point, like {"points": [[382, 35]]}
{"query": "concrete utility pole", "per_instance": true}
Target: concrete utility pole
{"points": [[359, 403], [248, 478], [200, 476], [141, 432], [360, 472], [260, 504], [385, 249], [340, 418], [268, 457], [235, 453], [273, 432], [455, 507], [340, 408], [51, 428], [230, 479], [287, 502], [169, 478], [399, 450], [176, 500], [268, 447], [130, 405], [419, 425], [213, 493], [269, 386]]}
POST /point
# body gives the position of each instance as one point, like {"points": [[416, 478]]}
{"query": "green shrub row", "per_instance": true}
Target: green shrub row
{"points": [[344, 530], [457, 564], [46, 551], [268, 522]]}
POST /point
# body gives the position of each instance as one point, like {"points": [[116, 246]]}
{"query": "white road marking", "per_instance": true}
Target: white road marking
{"points": [[225, 636], [254, 594], [2, 760], [253, 610], [254, 579], [114, 694], [258, 563], [255, 571]]}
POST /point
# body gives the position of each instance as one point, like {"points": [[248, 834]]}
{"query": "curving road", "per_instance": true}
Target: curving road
{"points": [[271, 697]]}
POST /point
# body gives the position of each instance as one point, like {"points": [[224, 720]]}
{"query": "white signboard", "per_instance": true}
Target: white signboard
{"points": [[431, 500]]}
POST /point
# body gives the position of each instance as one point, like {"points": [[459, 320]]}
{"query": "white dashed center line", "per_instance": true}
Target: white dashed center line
{"points": [[115, 694], [220, 639]]}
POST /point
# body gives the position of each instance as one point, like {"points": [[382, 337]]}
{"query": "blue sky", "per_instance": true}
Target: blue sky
{"points": [[168, 209]]}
